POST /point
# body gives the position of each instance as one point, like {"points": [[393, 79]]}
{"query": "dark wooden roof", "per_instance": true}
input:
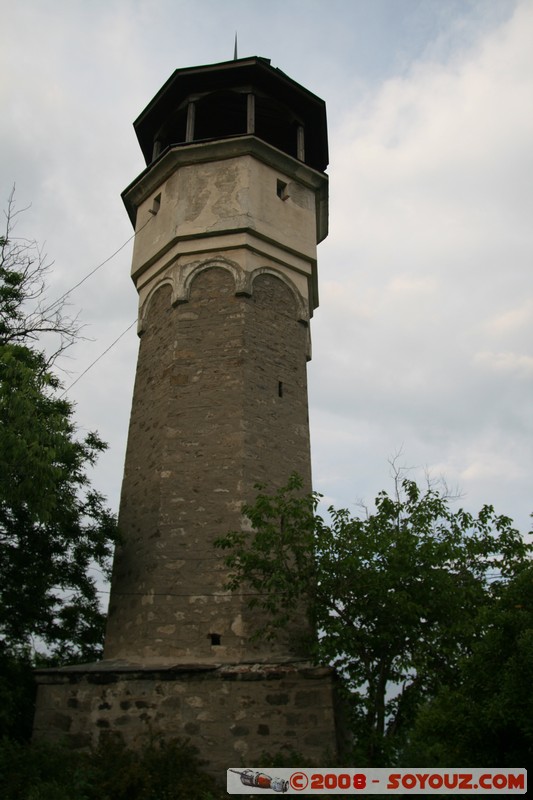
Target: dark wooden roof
{"points": [[254, 75]]}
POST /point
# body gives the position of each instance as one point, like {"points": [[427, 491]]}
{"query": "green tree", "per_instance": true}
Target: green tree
{"points": [[54, 529], [485, 718], [394, 595], [161, 771]]}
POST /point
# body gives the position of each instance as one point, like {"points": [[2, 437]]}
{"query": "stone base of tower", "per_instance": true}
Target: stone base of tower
{"points": [[233, 714]]}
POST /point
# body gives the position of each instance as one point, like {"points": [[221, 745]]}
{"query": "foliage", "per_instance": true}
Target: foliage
{"points": [[273, 558], [486, 718], [53, 527], [17, 694], [395, 595], [162, 771], [55, 531]]}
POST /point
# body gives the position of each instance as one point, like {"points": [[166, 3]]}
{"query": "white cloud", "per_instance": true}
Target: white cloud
{"points": [[413, 285], [423, 333], [431, 236], [506, 363], [512, 321]]}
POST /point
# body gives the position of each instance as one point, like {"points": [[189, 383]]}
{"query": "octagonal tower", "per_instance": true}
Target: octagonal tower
{"points": [[227, 217]]}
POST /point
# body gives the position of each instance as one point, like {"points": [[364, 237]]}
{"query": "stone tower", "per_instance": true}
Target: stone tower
{"points": [[227, 215]]}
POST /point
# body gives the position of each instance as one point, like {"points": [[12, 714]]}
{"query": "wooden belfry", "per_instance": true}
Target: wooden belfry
{"points": [[228, 214]]}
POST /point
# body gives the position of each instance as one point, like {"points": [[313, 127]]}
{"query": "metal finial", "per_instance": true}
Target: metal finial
{"points": [[235, 48]]}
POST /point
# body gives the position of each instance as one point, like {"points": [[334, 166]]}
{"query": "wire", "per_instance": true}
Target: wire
{"points": [[92, 272], [85, 371], [190, 594], [66, 294]]}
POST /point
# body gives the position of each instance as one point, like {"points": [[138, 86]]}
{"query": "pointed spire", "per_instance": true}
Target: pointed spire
{"points": [[235, 56]]}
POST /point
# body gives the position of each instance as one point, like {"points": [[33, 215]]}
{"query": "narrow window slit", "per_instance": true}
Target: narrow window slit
{"points": [[280, 389], [215, 638], [281, 190], [156, 205]]}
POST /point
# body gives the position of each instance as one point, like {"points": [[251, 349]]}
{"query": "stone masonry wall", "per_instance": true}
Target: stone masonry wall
{"points": [[220, 403], [232, 715]]}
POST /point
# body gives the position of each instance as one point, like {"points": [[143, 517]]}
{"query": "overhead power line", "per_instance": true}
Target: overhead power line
{"points": [[77, 285], [189, 594], [85, 371], [92, 272]]}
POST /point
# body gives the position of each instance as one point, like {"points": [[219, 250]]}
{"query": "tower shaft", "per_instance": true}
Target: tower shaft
{"points": [[220, 400]]}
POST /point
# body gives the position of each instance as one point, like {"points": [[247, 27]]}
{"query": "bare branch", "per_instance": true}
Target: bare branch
{"points": [[26, 316]]}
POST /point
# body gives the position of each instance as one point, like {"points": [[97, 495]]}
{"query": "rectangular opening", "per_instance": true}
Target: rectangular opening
{"points": [[281, 190], [156, 204]]}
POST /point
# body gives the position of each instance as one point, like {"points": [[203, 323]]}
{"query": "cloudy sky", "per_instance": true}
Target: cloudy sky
{"points": [[423, 339]]}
